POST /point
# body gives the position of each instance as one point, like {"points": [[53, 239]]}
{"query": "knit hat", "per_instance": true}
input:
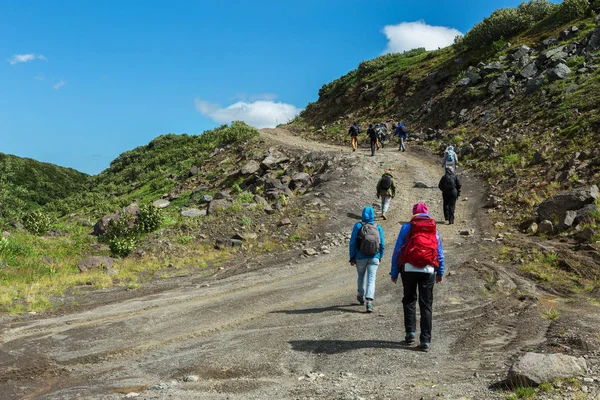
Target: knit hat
{"points": [[420, 208]]}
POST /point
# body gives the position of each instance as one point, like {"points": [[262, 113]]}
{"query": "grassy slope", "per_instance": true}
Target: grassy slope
{"points": [[26, 184]]}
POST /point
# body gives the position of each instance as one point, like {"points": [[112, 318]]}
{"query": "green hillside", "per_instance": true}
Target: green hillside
{"points": [[27, 184]]}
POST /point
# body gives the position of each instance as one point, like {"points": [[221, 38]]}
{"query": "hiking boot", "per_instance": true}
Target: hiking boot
{"points": [[383, 216], [369, 306], [424, 346], [409, 338], [361, 300]]}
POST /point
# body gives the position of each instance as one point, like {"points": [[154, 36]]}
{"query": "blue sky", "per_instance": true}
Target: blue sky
{"points": [[83, 81]]}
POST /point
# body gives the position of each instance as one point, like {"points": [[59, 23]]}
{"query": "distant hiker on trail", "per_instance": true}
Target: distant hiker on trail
{"points": [[381, 133], [450, 158], [366, 250], [354, 131], [386, 189], [402, 132], [419, 260], [372, 133], [450, 187]]}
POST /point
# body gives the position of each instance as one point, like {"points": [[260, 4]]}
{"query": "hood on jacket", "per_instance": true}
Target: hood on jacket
{"points": [[368, 214], [420, 208]]}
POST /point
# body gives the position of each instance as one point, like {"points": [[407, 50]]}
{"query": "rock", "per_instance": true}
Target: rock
{"points": [[519, 53], [555, 207], [261, 201], [272, 183], [222, 196], [464, 82], [528, 72], [218, 205], [586, 214], [161, 386], [492, 67], [191, 378], [284, 222], [193, 172], [310, 252], [236, 242], [561, 71], [205, 198], [567, 33], [301, 179], [549, 42], [193, 212], [131, 395], [593, 40], [96, 262], [102, 224], [499, 224], [545, 226], [585, 235], [532, 369], [271, 161], [84, 222], [501, 82], [250, 168], [222, 244], [466, 232], [534, 84], [568, 219], [161, 203], [532, 229], [473, 75], [421, 185], [553, 55]]}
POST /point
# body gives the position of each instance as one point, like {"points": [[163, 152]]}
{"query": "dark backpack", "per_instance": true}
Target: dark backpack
{"points": [[386, 182], [421, 248], [354, 130], [403, 129], [368, 239], [449, 182]]}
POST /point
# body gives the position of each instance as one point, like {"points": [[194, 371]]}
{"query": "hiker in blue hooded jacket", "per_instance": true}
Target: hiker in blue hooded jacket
{"points": [[414, 277], [401, 132], [366, 250]]}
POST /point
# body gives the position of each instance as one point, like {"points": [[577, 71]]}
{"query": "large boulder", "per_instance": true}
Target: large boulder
{"points": [[161, 203], [532, 369], [96, 262], [553, 55], [554, 208], [473, 75], [501, 82], [217, 205], [102, 224], [273, 183], [251, 167], [593, 40], [193, 212], [534, 84], [519, 53], [561, 71]]}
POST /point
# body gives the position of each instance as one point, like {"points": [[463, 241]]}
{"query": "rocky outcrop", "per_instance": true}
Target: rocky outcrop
{"points": [[218, 205], [555, 207], [532, 369], [96, 262]]}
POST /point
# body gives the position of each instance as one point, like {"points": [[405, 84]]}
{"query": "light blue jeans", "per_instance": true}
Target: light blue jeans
{"points": [[367, 273]]}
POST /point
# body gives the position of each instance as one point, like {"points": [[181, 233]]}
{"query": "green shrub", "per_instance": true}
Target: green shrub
{"points": [[122, 227], [122, 247], [507, 22], [245, 197], [150, 219], [570, 10], [37, 223]]}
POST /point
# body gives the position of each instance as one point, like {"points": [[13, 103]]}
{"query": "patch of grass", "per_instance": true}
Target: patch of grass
{"points": [[551, 314], [246, 221], [185, 239]]}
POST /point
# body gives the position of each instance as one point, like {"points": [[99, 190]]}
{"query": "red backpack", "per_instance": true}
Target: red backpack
{"points": [[421, 247]]}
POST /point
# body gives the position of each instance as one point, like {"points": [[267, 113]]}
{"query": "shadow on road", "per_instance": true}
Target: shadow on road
{"points": [[321, 310], [342, 346], [353, 216]]}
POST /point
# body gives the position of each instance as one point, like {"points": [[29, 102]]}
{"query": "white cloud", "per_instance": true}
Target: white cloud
{"points": [[260, 114], [59, 84], [411, 35], [24, 58]]}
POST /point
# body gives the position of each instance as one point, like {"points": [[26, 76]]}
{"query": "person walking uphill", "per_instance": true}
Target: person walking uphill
{"points": [[354, 132], [450, 158], [386, 189], [366, 251], [372, 133], [419, 260], [402, 133], [450, 187]]}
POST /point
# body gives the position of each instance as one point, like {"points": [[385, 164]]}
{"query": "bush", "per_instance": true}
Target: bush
{"points": [[150, 219], [37, 223], [507, 22], [570, 10], [122, 247]]}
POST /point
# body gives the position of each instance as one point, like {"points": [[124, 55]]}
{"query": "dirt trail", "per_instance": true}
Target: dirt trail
{"points": [[294, 330]]}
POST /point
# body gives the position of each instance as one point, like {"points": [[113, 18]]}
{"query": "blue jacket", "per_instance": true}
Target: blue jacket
{"points": [[399, 132], [368, 216], [404, 231]]}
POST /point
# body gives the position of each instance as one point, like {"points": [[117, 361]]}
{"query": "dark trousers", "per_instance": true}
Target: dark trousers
{"points": [[449, 206], [373, 144], [424, 282]]}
